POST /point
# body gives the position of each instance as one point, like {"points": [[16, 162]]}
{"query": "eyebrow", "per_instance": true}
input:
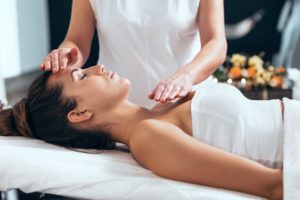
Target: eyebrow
{"points": [[73, 70]]}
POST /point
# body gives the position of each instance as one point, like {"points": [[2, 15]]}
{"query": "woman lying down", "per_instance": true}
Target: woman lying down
{"points": [[214, 137]]}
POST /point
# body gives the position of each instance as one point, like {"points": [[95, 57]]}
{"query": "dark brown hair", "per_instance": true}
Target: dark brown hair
{"points": [[43, 115]]}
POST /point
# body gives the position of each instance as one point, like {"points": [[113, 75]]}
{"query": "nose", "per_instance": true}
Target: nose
{"points": [[100, 69]]}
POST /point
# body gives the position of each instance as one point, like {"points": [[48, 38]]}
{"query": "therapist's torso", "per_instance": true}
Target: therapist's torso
{"points": [[146, 41]]}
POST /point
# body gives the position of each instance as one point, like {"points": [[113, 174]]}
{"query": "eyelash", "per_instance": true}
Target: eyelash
{"points": [[84, 75]]}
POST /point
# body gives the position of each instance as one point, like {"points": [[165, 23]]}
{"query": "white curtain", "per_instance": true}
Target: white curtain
{"points": [[2, 85], [9, 40], [2, 89], [24, 36], [289, 25]]}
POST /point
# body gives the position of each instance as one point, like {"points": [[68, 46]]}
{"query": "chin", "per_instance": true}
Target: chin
{"points": [[127, 85], [123, 89], [126, 81]]}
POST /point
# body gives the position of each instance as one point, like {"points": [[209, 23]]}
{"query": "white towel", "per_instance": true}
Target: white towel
{"points": [[33, 165], [291, 160]]}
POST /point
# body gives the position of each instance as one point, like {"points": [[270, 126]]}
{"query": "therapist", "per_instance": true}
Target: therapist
{"points": [[163, 47]]}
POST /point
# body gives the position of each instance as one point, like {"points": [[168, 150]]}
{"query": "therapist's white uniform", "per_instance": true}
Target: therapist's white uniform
{"points": [[146, 41]]}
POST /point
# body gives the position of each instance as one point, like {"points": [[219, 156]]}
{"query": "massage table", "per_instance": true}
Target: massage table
{"points": [[34, 166]]}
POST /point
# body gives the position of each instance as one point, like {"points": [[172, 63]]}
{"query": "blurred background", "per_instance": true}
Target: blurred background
{"points": [[31, 28]]}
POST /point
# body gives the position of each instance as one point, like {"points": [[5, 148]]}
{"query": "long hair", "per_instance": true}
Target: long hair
{"points": [[43, 115]]}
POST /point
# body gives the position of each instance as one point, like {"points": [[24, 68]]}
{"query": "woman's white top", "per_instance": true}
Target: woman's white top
{"points": [[146, 41], [224, 118]]}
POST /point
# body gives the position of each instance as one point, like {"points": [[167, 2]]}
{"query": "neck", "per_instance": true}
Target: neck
{"points": [[123, 119]]}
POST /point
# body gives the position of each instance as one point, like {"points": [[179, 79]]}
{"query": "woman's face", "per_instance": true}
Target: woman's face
{"points": [[94, 88]]}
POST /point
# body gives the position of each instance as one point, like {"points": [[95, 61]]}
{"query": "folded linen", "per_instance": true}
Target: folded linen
{"points": [[291, 148]]}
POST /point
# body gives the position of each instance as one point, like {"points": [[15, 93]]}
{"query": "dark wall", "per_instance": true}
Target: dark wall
{"points": [[264, 37], [59, 14]]}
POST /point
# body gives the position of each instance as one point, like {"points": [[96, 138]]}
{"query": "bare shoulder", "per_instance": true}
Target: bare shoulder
{"points": [[151, 125], [146, 130], [150, 137]]}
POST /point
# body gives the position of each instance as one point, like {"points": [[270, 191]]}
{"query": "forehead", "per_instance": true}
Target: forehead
{"points": [[62, 76]]}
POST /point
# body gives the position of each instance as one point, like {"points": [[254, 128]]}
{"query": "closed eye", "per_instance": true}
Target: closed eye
{"points": [[84, 75]]}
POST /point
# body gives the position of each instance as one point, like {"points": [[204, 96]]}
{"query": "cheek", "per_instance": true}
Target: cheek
{"points": [[101, 91], [106, 93], [96, 85]]}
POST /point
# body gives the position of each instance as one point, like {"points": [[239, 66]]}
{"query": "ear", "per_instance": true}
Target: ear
{"points": [[76, 116]]}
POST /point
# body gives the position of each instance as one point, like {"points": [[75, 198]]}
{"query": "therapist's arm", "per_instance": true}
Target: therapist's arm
{"points": [[210, 20], [75, 48]]}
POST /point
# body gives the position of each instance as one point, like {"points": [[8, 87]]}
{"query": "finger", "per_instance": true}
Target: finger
{"points": [[166, 92], [54, 61], [42, 66], [62, 55], [151, 94], [63, 62], [174, 92], [47, 63], [74, 54], [183, 92], [159, 90]]}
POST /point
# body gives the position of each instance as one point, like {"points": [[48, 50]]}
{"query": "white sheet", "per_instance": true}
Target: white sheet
{"points": [[291, 162], [33, 165]]}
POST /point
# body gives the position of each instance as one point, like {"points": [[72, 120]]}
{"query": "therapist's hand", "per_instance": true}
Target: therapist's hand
{"points": [[59, 59], [177, 86]]}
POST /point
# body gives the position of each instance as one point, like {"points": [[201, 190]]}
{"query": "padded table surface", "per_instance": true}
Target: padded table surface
{"points": [[35, 166]]}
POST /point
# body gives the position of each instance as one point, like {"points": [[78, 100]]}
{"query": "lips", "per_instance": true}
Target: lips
{"points": [[111, 74]]}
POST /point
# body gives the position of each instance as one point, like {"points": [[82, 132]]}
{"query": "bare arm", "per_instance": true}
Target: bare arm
{"points": [[169, 152], [75, 48], [81, 30], [210, 20]]}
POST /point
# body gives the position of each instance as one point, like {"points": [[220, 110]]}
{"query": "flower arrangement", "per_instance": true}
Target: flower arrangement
{"points": [[251, 72]]}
